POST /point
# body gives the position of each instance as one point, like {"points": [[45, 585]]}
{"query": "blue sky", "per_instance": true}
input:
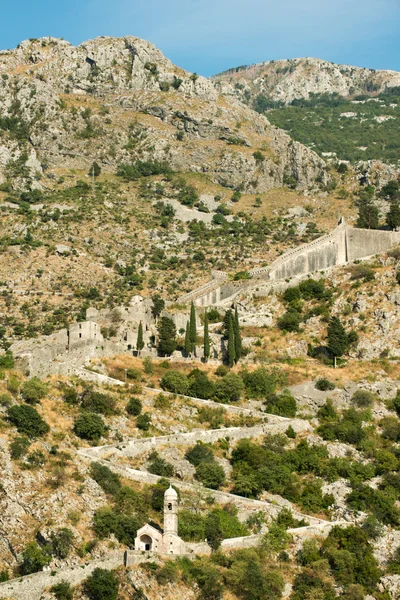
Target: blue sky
{"points": [[208, 36]]}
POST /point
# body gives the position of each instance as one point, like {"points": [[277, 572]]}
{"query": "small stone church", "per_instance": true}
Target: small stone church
{"points": [[150, 539]]}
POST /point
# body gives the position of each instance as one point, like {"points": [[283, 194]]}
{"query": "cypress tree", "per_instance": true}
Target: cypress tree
{"points": [[188, 342], [140, 342], [226, 322], [238, 339], [206, 338], [337, 338], [231, 344], [167, 336], [192, 327]]}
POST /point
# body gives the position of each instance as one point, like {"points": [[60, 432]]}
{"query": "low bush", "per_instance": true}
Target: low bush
{"points": [[211, 474], [324, 385], [109, 481], [199, 453], [34, 390], [134, 407], [96, 402], [101, 585], [89, 426], [143, 421], [62, 591], [363, 398], [27, 421], [175, 382]]}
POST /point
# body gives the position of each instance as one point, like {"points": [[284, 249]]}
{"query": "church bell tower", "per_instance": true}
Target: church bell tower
{"points": [[171, 512]]}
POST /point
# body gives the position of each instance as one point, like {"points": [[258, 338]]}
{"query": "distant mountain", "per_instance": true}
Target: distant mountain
{"points": [[337, 110], [287, 80]]}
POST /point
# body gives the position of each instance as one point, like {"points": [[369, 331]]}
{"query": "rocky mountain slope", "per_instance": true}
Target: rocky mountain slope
{"points": [[287, 80], [117, 100]]}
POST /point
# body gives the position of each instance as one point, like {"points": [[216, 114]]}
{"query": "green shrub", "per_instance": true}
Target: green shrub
{"points": [[211, 474], [62, 591], [143, 421], [134, 407], [34, 390], [259, 383], [34, 558], [159, 466], [167, 574], [19, 447], [290, 321], [61, 542], [200, 386], [101, 585], [199, 453], [176, 382], [96, 402], [89, 426], [229, 388], [7, 360], [27, 420], [109, 482], [143, 169], [363, 398], [324, 385], [284, 405]]}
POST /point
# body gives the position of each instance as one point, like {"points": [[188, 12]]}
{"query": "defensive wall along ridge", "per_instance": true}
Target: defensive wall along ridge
{"points": [[343, 245]]}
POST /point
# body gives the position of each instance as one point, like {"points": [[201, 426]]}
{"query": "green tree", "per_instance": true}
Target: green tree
{"points": [[61, 542], [206, 338], [101, 585], [393, 216], [62, 591], [158, 306], [213, 531], [175, 382], [167, 336], [238, 338], [368, 214], [107, 479], [27, 420], [140, 341], [199, 453], [134, 407], [94, 170], [34, 558], [188, 342], [229, 388], [192, 327], [231, 351], [34, 390], [89, 426], [211, 474], [337, 338]]}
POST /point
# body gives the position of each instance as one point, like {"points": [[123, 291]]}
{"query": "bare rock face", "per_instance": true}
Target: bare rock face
{"points": [[115, 100]]}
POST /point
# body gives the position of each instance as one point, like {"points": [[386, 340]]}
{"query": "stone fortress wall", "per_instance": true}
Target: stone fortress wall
{"points": [[66, 350], [343, 245]]}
